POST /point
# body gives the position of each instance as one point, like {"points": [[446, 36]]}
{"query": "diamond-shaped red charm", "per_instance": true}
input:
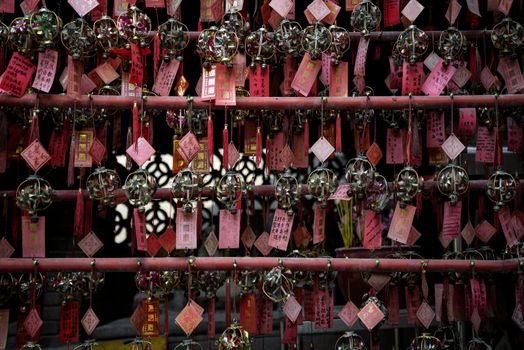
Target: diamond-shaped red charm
{"points": [[33, 322], [425, 314], [188, 319], [140, 151], [370, 315], [168, 239], [35, 155], [97, 151], [292, 308], [90, 321], [287, 156], [188, 147], [349, 314], [374, 154], [262, 244], [248, 237], [233, 154], [378, 281], [6, 249], [153, 245], [452, 147], [138, 318], [301, 236], [322, 149], [211, 243], [468, 233], [90, 244]]}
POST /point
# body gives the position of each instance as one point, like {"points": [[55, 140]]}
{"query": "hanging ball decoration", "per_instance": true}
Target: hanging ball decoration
{"points": [[321, 183], [407, 185], [27, 283], [360, 174], [378, 194], [140, 187], [107, 36], [148, 282], [89, 344], [7, 287], [235, 337], [247, 280], [350, 341], [174, 39], [339, 44], [288, 37], [316, 39], [380, 305], [210, 281], [134, 26], [45, 27], [301, 278], [102, 184], [229, 190], [501, 188], [140, 344], [169, 280], [507, 36], [20, 35], [260, 46], [234, 22], [34, 194], [366, 17], [79, 39], [186, 185], [478, 344], [225, 46], [31, 346], [412, 44], [205, 46], [4, 32], [277, 285], [425, 342], [287, 192], [188, 344], [453, 182], [452, 45], [70, 285], [104, 114]]}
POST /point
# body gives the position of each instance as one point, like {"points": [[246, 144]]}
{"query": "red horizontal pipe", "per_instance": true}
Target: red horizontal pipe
{"points": [[283, 103], [261, 190], [254, 263]]}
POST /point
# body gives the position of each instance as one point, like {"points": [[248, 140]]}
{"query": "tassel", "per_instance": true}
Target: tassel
{"points": [[35, 129], [225, 143], [227, 300], [150, 131], [156, 55], [211, 318], [136, 122], [268, 154], [71, 164], [129, 142], [258, 149], [338, 140], [88, 224], [306, 136], [418, 201], [78, 228], [210, 142]]}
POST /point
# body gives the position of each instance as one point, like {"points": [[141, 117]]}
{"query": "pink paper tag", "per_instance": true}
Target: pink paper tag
{"points": [[518, 226], [99, 11], [7, 6], [136, 75], [468, 233], [83, 7], [438, 79], [453, 11], [322, 309], [155, 4], [360, 60], [412, 78], [90, 321], [248, 237], [229, 236], [225, 86], [208, 80], [97, 151], [33, 237], [73, 79], [334, 9], [436, 130], [6, 249], [33, 322], [401, 223], [338, 80], [262, 244], [292, 309], [28, 6], [211, 244], [371, 315], [289, 74], [515, 139], [306, 75], [90, 244], [318, 9], [286, 156], [394, 147], [17, 75], [349, 314], [45, 74], [186, 229], [319, 224], [507, 226], [467, 122], [139, 226], [462, 76], [341, 193], [485, 231], [281, 230], [451, 225], [485, 145], [432, 60], [413, 237], [322, 149], [473, 7], [35, 155], [510, 70], [453, 147], [234, 156], [378, 281], [140, 151], [487, 78], [374, 154], [83, 142], [372, 230], [505, 6], [425, 314], [239, 66], [188, 147], [259, 81], [412, 10], [106, 72]]}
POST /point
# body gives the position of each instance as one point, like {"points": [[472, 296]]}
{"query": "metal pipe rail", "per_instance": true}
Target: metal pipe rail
{"points": [[255, 263], [270, 103], [261, 190]]}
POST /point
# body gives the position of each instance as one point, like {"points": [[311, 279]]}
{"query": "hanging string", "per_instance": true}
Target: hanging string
{"points": [[322, 116], [452, 112], [235, 316]]}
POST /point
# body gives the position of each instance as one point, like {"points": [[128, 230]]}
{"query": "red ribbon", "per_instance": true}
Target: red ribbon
{"points": [[338, 140], [78, 227], [258, 149], [210, 145], [225, 144]]}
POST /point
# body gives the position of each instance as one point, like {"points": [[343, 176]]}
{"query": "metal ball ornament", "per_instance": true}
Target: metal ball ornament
{"points": [[412, 44], [79, 39], [287, 192], [34, 195], [453, 182], [288, 36], [102, 184], [134, 26], [366, 17], [407, 185], [360, 174], [452, 45], [107, 36], [339, 44], [235, 337], [174, 39], [45, 27], [260, 46], [425, 342], [140, 187], [229, 190], [316, 39], [321, 184], [186, 185], [350, 341], [31, 346], [20, 35], [501, 188], [507, 36]]}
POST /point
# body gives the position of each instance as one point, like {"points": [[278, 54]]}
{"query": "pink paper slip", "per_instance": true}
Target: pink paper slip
{"points": [[165, 77], [45, 73], [438, 79], [372, 230], [186, 229], [401, 223], [451, 225], [229, 236], [33, 237], [486, 140], [306, 75], [281, 230]]}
